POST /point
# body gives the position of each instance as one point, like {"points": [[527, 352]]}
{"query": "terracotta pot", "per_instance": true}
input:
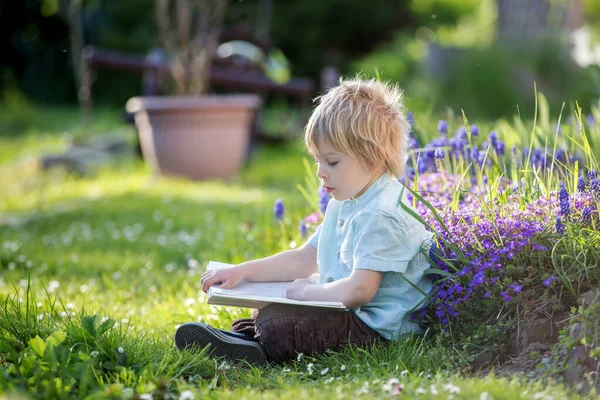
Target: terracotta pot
{"points": [[199, 137]]}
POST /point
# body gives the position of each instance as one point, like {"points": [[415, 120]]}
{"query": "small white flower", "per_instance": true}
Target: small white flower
{"points": [[420, 391], [433, 390], [451, 388], [120, 350], [486, 396], [146, 396], [189, 301], [323, 372], [127, 393], [286, 370], [343, 368], [309, 368], [404, 373], [53, 285], [224, 366], [94, 354], [299, 357], [387, 387], [187, 395]]}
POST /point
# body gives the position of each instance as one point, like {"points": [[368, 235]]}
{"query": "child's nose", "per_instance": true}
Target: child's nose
{"points": [[320, 172]]}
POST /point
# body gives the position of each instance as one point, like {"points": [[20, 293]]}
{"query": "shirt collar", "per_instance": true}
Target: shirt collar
{"points": [[381, 182]]}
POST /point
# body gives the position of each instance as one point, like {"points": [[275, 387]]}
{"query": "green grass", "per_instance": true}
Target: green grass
{"points": [[128, 248]]}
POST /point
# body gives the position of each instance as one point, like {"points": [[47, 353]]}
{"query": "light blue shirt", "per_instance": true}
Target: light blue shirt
{"points": [[375, 233]]}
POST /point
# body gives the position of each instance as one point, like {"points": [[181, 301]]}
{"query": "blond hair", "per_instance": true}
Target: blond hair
{"points": [[364, 119]]}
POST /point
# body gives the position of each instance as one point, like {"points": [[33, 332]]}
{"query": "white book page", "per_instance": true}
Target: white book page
{"points": [[261, 291]]}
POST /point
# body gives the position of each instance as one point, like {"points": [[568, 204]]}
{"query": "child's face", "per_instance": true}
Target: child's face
{"points": [[341, 175]]}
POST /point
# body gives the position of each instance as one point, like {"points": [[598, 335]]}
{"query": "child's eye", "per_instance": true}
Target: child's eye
{"points": [[332, 164]]}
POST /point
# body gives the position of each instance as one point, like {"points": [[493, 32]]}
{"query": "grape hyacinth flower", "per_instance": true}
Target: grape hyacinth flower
{"points": [[323, 200], [474, 130], [581, 184], [592, 174], [443, 126], [493, 138], [560, 227], [586, 215], [591, 120], [410, 118], [303, 228], [563, 197], [500, 148], [595, 186], [278, 209], [440, 154]]}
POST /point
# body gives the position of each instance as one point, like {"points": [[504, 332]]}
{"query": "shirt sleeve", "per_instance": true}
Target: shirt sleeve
{"points": [[314, 239], [385, 243]]}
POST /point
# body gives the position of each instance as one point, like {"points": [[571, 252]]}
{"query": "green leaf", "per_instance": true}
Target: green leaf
{"points": [[437, 271], [104, 327], [88, 323], [56, 338], [38, 345]]}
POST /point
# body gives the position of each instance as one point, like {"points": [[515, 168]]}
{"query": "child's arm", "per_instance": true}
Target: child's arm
{"points": [[354, 291], [285, 266]]}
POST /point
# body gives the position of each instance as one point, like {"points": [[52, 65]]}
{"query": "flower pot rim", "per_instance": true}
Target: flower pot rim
{"points": [[183, 103]]}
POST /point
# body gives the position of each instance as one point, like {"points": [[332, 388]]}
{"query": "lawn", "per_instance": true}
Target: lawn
{"points": [[97, 272]]}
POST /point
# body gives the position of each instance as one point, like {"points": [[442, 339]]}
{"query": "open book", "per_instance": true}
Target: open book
{"points": [[259, 294]]}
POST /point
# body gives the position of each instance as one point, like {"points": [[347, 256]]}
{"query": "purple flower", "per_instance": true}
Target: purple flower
{"points": [[560, 227], [563, 195], [592, 174], [565, 208], [493, 138], [595, 186], [474, 130], [410, 118], [581, 184], [517, 288], [548, 281], [323, 200], [422, 166], [586, 215], [413, 143], [506, 296], [303, 228], [462, 133], [591, 120], [440, 154], [443, 126], [278, 209], [487, 294], [500, 148]]}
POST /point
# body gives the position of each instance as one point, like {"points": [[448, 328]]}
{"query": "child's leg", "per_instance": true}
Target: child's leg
{"points": [[284, 330], [246, 326]]}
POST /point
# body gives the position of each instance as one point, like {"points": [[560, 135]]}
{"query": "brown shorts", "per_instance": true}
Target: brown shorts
{"points": [[286, 330]]}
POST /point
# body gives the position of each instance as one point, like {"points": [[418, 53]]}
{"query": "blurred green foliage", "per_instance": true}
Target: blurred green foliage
{"points": [[440, 12], [462, 66]]}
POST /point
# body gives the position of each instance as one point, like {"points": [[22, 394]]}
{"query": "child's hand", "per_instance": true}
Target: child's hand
{"points": [[227, 277], [296, 290]]}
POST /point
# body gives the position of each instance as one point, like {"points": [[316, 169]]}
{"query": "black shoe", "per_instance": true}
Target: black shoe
{"points": [[238, 335], [222, 344]]}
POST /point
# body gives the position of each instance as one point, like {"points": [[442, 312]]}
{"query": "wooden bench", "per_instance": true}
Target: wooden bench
{"points": [[231, 74]]}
